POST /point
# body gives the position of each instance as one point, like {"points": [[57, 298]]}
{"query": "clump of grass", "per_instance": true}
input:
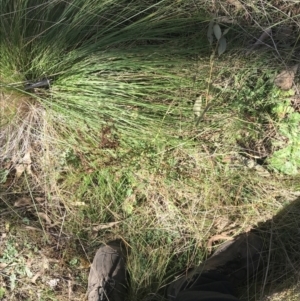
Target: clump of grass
{"points": [[101, 69], [109, 65], [22, 121], [135, 92]]}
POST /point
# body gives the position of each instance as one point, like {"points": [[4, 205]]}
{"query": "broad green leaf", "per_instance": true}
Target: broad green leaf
{"points": [[217, 31], [222, 46]]}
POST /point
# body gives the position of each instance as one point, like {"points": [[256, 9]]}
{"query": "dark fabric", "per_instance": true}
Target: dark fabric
{"points": [[210, 286], [204, 296]]}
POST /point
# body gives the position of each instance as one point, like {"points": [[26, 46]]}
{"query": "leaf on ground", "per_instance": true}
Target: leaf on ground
{"points": [[262, 171], [3, 265], [32, 228], [216, 238], [84, 263], [45, 217], [12, 280], [21, 202], [221, 222], [45, 264], [285, 79], [260, 41], [39, 200], [236, 3], [7, 226], [24, 165], [20, 168], [35, 277], [104, 226], [197, 106], [70, 285], [79, 204]]}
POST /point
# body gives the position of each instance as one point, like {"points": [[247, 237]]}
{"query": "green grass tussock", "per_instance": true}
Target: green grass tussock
{"points": [[124, 69]]}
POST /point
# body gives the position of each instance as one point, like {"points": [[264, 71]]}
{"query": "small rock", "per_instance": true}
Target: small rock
{"points": [[285, 79], [53, 282]]}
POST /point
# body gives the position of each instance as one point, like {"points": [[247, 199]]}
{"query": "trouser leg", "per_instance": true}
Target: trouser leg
{"points": [[209, 286]]}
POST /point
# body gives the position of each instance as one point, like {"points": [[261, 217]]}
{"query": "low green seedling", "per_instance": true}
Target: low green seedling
{"points": [[287, 158]]}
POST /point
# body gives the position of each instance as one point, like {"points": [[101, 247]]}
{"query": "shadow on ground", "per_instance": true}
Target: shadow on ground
{"points": [[279, 277]]}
